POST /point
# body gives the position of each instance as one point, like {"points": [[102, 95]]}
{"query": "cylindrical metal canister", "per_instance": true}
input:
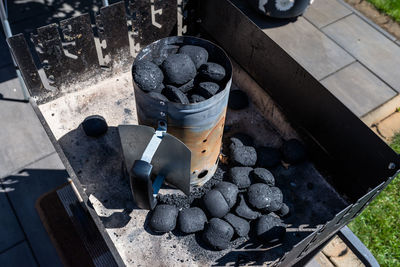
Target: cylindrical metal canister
{"points": [[199, 125]]}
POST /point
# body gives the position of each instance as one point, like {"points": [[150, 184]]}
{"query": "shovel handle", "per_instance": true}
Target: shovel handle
{"points": [[141, 184]]}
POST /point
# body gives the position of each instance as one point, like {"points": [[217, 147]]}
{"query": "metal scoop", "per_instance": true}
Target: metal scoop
{"points": [[152, 153]]}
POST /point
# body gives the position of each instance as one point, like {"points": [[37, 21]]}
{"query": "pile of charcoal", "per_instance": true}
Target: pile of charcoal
{"points": [[183, 76], [245, 203]]}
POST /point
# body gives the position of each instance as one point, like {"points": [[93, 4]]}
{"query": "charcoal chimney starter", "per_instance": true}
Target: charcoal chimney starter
{"points": [[198, 125]]}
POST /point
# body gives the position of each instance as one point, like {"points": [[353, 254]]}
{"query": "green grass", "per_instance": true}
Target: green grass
{"points": [[389, 7], [378, 226]]}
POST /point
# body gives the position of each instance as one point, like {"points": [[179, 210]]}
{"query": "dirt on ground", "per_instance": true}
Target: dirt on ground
{"points": [[370, 11]]}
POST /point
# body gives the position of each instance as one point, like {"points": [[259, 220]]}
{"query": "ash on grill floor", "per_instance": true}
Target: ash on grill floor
{"points": [[97, 163]]}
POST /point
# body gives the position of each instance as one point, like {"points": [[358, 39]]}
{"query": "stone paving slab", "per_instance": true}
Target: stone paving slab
{"points": [[324, 12], [10, 86], [25, 187], [370, 47], [18, 256], [358, 88], [23, 138], [10, 231], [306, 44]]}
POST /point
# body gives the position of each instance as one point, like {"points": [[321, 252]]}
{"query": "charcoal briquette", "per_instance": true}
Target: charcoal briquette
{"points": [[240, 176], [261, 175], [148, 76], [178, 69], [238, 100], [94, 126], [241, 226], [164, 52], [283, 211], [259, 196], [187, 86], [244, 211], [229, 191], [242, 155], [191, 220], [195, 98], [158, 96], [293, 151], [207, 89], [269, 228], [215, 204], [175, 95], [163, 218], [268, 157], [276, 199], [199, 55], [246, 139], [218, 233], [212, 72]]}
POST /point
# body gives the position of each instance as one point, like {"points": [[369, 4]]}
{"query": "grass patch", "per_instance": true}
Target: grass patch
{"points": [[378, 226], [389, 7]]}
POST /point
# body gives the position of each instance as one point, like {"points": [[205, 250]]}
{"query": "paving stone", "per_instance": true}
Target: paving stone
{"points": [[323, 12], [319, 260], [358, 88], [19, 255], [369, 46], [26, 139], [341, 255], [10, 87], [25, 188], [389, 126], [10, 231], [307, 45]]}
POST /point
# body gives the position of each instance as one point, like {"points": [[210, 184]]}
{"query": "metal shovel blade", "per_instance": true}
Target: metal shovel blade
{"points": [[172, 158]]}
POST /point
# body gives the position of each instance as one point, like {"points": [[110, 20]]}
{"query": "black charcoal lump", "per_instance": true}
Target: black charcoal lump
{"points": [[215, 204], [195, 98], [240, 176], [212, 72], [229, 191], [283, 211], [268, 157], [276, 199], [265, 198], [175, 95], [187, 86], [158, 96], [178, 69], [293, 151], [238, 100], [199, 55], [259, 196], [242, 155], [246, 139], [164, 52], [163, 218], [148, 76], [191, 220], [244, 211], [269, 228], [218, 234], [207, 89], [261, 175], [241, 226], [94, 126]]}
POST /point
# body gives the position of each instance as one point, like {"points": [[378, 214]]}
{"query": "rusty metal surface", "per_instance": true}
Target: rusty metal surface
{"points": [[200, 125], [113, 30], [23, 58], [152, 20]]}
